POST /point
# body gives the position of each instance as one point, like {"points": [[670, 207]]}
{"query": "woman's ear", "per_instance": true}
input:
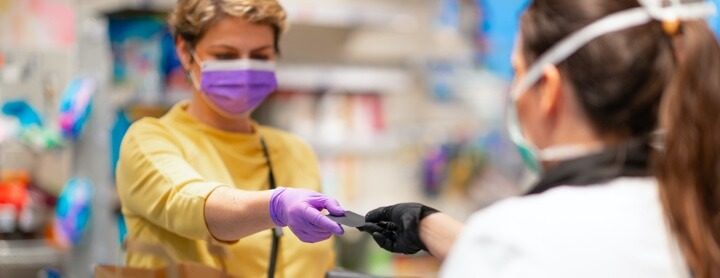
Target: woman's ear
{"points": [[182, 48], [551, 91]]}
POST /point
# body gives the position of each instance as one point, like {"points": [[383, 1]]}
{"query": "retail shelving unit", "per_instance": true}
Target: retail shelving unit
{"points": [[352, 50], [25, 258]]}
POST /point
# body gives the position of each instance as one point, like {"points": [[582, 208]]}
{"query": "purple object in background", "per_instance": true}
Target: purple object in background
{"points": [[237, 87], [434, 168], [300, 210]]}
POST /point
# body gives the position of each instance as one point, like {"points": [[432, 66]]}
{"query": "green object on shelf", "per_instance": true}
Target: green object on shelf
{"points": [[41, 138], [380, 262]]}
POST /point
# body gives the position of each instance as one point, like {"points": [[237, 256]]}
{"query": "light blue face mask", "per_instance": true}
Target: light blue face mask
{"points": [[524, 147], [533, 157], [651, 10]]}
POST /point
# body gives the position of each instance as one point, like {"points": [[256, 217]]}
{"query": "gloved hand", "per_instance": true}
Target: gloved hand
{"points": [[300, 210], [397, 228]]}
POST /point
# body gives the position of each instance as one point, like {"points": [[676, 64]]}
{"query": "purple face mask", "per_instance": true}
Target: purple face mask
{"points": [[238, 86]]}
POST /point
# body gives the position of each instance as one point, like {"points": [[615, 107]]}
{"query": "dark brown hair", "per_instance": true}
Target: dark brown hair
{"points": [[689, 168], [622, 78]]}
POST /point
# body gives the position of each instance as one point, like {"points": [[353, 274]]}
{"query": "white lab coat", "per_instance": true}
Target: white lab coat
{"points": [[613, 230]]}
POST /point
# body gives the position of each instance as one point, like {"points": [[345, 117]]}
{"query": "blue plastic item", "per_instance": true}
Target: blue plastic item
{"points": [[122, 228], [32, 131], [24, 112], [75, 106], [72, 212], [50, 272], [120, 127]]}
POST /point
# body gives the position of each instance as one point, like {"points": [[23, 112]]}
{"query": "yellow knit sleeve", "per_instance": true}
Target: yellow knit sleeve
{"points": [[156, 183], [312, 167]]}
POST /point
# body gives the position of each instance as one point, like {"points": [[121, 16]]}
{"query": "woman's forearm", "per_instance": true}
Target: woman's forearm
{"points": [[232, 214], [438, 232]]}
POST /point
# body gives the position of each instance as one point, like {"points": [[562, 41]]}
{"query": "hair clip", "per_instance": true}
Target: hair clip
{"points": [[671, 27]]}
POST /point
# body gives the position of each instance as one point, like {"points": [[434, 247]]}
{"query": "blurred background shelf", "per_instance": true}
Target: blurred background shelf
{"points": [[359, 148], [387, 14], [347, 30], [25, 258], [348, 79]]}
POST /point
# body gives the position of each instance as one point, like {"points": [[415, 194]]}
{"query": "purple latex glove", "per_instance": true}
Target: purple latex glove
{"points": [[300, 210]]}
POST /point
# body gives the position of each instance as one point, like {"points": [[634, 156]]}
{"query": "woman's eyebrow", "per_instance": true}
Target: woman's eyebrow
{"points": [[224, 47], [263, 48], [234, 49]]}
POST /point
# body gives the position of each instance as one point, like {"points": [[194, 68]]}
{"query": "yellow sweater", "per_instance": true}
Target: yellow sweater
{"points": [[169, 166]]}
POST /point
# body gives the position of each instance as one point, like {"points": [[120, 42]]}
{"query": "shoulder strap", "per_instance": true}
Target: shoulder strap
{"points": [[276, 232]]}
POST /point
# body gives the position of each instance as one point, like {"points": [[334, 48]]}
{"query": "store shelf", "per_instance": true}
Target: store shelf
{"points": [[337, 14], [358, 148], [24, 258], [349, 30], [351, 14], [351, 79], [108, 6]]}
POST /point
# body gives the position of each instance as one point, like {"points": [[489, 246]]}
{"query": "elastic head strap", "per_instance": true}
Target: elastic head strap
{"points": [[611, 23]]}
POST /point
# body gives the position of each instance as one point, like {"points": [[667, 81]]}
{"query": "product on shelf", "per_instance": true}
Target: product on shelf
{"points": [[22, 207], [75, 106], [72, 213]]}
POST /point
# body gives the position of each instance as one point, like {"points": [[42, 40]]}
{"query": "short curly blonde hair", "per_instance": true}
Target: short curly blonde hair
{"points": [[192, 18]]}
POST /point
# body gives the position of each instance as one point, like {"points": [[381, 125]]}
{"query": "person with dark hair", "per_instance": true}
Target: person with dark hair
{"points": [[614, 106]]}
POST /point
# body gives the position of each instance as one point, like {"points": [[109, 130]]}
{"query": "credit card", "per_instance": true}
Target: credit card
{"points": [[350, 219]]}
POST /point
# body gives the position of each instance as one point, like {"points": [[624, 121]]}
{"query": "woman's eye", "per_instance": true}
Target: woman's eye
{"points": [[261, 57], [226, 56]]}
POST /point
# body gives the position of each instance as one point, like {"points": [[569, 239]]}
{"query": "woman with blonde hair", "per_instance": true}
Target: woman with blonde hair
{"points": [[206, 171]]}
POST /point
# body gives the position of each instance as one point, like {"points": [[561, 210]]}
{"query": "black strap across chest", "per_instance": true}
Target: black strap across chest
{"points": [[626, 160], [276, 232]]}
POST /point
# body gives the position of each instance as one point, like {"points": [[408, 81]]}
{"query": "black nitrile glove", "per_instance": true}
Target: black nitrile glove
{"points": [[397, 228]]}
